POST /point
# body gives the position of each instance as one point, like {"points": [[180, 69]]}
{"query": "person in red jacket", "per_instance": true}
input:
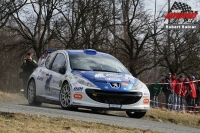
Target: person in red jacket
{"points": [[191, 94], [173, 80], [184, 92], [178, 90]]}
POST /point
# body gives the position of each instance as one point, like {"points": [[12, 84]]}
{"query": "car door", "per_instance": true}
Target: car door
{"points": [[57, 78], [46, 75]]}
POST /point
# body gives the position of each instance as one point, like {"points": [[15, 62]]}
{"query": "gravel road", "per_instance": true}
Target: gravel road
{"points": [[87, 115]]}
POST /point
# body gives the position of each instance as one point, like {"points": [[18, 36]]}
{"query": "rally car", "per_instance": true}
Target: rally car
{"points": [[87, 79]]}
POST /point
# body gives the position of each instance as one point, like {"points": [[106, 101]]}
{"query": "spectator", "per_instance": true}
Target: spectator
{"points": [[178, 90], [42, 58], [184, 93], [191, 94], [28, 67], [155, 89], [197, 100], [173, 80], [167, 90]]}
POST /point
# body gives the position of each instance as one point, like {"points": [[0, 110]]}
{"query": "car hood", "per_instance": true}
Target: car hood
{"points": [[108, 81]]}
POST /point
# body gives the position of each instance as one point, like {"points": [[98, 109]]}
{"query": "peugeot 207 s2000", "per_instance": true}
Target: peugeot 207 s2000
{"points": [[87, 79]]}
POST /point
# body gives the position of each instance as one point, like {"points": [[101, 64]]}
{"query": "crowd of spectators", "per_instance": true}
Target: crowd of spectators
{"points": [[178, 91]]}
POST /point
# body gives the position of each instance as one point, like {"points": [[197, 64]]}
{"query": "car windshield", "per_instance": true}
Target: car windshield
{"points": [[102, 63]]}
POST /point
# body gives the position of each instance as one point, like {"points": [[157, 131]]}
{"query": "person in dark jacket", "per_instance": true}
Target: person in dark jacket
{"points": [[197, 100], [155, 89], [191, 95], [28, 66], [167, 90]]}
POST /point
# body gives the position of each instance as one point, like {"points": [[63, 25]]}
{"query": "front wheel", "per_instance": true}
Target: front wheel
{"points": [[137, 115], [31, 92], [65, 97]]}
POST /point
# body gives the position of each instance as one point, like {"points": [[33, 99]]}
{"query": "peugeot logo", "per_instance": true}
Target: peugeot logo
{"points": [[115, 85]]}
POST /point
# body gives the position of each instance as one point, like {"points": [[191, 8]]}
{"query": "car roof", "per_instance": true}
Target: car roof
{"points": [[70, 52], [83, 52]]}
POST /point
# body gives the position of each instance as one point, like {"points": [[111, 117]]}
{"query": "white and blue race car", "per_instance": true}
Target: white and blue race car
{"points": [[87, 79]]}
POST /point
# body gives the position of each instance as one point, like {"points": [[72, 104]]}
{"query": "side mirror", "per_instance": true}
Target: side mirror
{"points": [[62, 70]]}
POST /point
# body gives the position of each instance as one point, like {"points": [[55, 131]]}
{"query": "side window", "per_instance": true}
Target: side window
{"points": [[58, 62], [49, 60]]}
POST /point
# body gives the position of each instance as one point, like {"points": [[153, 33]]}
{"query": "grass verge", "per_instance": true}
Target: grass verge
{"points": [[26, 123], [163, 115]]}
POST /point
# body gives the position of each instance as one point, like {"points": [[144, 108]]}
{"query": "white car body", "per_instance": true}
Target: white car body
{"points": [[88, 88]]}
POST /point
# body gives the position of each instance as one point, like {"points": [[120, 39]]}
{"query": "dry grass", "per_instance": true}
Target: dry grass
{"points": [[25, 123], [16, 98], [163, 115]]}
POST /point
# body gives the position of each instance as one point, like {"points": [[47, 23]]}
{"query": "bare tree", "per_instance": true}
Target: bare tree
{"points": [[137, 51], [7, 8], [34, 25], [83, 23]]}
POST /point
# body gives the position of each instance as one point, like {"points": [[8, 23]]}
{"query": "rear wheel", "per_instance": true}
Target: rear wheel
{"points": [[65, 97], [31, 94], [135, 114]]}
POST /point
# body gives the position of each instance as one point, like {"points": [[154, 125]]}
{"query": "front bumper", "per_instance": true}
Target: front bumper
{"points": [[94, 98]]}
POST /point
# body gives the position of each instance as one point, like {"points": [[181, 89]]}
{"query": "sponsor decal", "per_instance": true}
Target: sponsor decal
{"points": [[55, 82], [70, 77], [76, 73], [60, 83], [113, 79], [106, 87], [78, 88], [76, 103], [47, 85], [40, 78], [114, 75], [146, 101], [146, 94], [78, 96], [125, 84], [115, 106], [75, 83], [55, 93], [99, 75]]}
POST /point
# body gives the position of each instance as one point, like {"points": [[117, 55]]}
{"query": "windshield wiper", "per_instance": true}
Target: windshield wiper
{"points": [[105, 70], [81, 69]]}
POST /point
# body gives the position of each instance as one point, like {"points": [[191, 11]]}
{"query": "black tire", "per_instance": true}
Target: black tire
{"points": [[31, 94], [65, 97], [137, 115]]}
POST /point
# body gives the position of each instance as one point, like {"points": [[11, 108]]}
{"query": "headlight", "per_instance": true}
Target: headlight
{"points": [[84, 82], [138, 85]]}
